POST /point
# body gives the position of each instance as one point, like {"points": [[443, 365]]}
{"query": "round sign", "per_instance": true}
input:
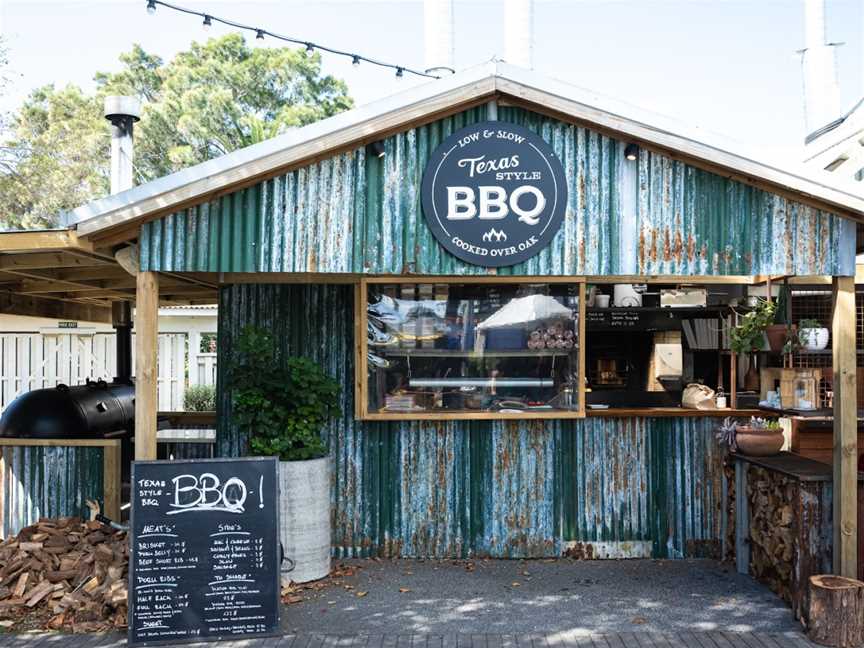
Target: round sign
{"points": [[494, 194]]}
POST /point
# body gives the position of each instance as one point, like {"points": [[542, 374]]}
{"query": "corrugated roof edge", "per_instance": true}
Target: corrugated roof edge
{"points": [[364, 122]]}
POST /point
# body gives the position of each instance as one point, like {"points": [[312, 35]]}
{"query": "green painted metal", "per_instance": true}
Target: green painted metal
{"points": [[47, 482], [484, 488], [356, 214], [695, 222]]}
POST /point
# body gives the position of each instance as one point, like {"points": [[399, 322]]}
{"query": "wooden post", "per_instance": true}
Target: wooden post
{"points": [[845, 429], [742, 519], [146, 352], [111, 478]]}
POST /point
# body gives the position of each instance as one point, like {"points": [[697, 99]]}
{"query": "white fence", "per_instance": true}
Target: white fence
{"points": [[36, 360]]}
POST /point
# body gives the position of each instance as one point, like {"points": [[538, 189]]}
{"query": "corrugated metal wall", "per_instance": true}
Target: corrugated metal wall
{"points": [[37, 482], [353, 214], [695, 222], [600, 486]]}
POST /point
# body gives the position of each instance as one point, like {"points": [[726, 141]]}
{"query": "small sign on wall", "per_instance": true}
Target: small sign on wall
{"points": [[494, 194], [67, 325]]}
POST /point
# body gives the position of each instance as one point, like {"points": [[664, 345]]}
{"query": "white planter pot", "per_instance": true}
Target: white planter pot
{"points": [[304, 518], [815, 339]]}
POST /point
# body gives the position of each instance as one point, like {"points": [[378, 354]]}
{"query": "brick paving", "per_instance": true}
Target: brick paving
{"points": [[558, 640]]}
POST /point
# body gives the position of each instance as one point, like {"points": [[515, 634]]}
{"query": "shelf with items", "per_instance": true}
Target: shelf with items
{"points": [[445, 353], [464, 349]]}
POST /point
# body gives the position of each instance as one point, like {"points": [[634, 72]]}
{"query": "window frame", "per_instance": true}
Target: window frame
{"points": [[361, 348]]}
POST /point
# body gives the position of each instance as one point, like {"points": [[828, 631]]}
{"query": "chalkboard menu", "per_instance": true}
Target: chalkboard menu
{"points": [[619, 319], [204, 558]]}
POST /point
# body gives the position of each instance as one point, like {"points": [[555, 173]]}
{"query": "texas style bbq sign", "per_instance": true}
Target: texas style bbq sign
{"points": [[494, 194]]}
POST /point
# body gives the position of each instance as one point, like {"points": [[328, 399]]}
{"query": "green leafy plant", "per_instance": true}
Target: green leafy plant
{"points": [[808, 324], [749, 334], [200, 398], [759, 423], [282, 403]]}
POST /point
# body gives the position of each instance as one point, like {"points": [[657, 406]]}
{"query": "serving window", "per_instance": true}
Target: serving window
{"points": [[482, 348]]}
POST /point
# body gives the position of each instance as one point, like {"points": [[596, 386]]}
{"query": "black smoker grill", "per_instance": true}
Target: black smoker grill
{"points": [[94, 410]]}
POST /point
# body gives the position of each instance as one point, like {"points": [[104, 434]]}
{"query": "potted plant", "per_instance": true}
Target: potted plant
{"points": [[759, 437], [283, 403], [749, 336], [812, 335]]}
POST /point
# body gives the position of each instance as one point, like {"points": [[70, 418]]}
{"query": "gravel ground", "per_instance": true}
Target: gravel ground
{"points": [[550, 596]]}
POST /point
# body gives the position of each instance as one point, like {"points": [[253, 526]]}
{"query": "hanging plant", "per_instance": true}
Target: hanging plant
{"points": [[749, 335]]}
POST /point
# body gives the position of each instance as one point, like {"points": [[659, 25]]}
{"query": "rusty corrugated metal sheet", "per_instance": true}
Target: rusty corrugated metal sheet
{"points": [[37, 482], [599, 486], [695, 222], [356, 214]]}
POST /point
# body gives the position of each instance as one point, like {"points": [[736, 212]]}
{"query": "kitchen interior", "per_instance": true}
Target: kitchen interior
{"points": [[520, 348]]}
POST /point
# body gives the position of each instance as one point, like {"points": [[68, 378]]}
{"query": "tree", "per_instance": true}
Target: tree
{"points": [[213, 98]]}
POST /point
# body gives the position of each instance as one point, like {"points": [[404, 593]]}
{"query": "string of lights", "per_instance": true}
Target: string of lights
{"points": [[208, 19]]}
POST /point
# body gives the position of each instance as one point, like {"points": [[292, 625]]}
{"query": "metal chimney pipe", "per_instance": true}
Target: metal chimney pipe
{"points": [[819, 68], [519, 32], [122, 112], [438, 28]]}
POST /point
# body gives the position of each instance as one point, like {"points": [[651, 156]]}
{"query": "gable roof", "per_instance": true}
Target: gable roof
{"points": [[444, 96]]}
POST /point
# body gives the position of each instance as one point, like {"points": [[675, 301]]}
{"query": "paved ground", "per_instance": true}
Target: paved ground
{"points": [[560, 596], [618, 640], [515, 604]]}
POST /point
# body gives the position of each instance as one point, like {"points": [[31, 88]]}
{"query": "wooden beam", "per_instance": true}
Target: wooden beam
{"points": [[12, 304], [845, 430], [37, 260], [43, 241], [146, 337]]}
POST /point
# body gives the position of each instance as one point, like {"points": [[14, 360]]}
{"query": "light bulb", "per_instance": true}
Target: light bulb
{"points": [[399, 73], [355, 61], [207, 24], [259, 34], [151, 7], [310, 51]]}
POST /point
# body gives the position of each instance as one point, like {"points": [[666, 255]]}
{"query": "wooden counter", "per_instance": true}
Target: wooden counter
{"points": [[660, 412]]}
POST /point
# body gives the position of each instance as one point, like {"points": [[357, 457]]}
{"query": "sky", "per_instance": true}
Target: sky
{"points": [[727, 66]]}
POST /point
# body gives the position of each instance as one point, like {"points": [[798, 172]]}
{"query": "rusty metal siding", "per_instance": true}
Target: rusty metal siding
{"points": [[351, 213], [695, 222], [37, 482], [484, 488]]}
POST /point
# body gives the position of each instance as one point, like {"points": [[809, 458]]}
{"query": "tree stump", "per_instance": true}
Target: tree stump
{"points": [[835, 614]]}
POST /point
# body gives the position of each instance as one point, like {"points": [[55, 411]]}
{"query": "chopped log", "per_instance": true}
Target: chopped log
{"points": [[30, 546], [76, 571], [835, 615], [21, 585]]}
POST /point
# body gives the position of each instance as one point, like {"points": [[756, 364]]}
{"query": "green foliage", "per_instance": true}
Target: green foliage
{"points": [[749, 335], [282, 403], [809, 324], [209, 100], [200, 398]]}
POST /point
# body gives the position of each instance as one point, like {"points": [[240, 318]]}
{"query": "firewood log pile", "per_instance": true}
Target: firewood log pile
{"points": [[73, 572], [772, 532]]}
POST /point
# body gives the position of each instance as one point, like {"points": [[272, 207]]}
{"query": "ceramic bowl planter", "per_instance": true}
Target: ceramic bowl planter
{"points": [[814, 339], [304, 517], [758, 442]]}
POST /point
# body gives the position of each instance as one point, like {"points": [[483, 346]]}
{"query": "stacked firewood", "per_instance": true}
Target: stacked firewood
{"points": [[772, 534], [74, 571], [555, 336]]}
